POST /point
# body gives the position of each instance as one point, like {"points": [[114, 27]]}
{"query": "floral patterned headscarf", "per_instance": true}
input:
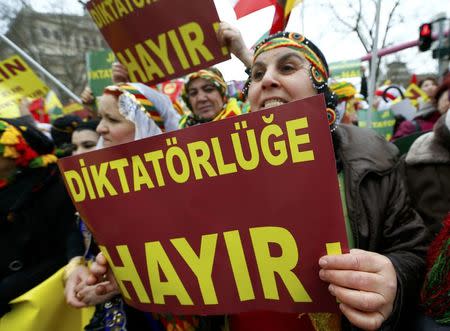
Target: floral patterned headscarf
{"points": [[25, 144]]}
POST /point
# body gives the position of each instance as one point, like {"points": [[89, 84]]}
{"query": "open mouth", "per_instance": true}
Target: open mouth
{"points": [[273, 103]]}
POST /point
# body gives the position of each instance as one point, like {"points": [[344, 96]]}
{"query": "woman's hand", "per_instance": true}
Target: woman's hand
{"points": [[365, 284], [231, 37], [102, 275], [119, 73], [76, 277]]}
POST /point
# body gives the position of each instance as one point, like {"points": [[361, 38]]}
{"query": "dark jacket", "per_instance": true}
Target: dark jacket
{"points": [[427, 173], [381, 218], [38, 234]]}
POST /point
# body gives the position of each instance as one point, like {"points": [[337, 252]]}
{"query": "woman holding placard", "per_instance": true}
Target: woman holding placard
{"points": [[376, 283], [127, 113]]}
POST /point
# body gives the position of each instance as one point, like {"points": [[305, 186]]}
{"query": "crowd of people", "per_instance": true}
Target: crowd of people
{"points": [[396, 275]]}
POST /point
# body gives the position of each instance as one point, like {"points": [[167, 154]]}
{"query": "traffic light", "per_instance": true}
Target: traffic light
{"points": [[425, 38]]}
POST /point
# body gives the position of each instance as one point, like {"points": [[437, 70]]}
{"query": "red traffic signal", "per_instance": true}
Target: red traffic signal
{"points": [[425, 38]]}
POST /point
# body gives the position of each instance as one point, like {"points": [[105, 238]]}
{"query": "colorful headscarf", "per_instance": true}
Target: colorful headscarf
{"points": [[232, 108], [212, 75], [24, 144], [343, 90], [297, 42], [151, 111], [319, 72]]}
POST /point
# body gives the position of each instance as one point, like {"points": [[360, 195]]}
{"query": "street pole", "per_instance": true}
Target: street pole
{"points": [[40, 68], [373, 65], [440, 19]]}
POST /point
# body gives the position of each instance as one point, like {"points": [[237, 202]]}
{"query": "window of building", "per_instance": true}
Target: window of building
{"points": [[56, 35], [45, 32], [86, 41]]}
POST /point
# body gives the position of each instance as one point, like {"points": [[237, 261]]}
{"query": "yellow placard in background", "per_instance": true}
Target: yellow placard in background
{"points": [[17, 81]]}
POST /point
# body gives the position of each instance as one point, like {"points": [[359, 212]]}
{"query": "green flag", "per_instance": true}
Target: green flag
{"points": [[99, 65], [382, 122], [345, 69]]}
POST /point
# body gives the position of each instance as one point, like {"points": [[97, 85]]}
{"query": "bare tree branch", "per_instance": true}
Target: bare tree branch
{"points": [[388, 25], [340, 19]]}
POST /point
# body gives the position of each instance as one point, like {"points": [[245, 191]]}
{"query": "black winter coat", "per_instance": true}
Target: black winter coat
{"points": [[38, 234]]}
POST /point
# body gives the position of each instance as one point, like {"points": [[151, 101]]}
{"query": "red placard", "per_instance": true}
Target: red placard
{"points": [[158, 40], [223, 217]]}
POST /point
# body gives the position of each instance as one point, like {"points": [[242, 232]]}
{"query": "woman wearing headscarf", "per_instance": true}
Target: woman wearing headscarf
{"points": [[375, 283], [205, 94], [38, 234], [127, 112]]}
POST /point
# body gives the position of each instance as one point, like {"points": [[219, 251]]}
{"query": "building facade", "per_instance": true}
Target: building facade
{"points": [[58, 42]]}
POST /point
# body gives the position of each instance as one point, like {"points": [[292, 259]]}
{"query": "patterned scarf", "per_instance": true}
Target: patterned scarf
{"points": [[232, 108], [212, 75], [318, 71], [299, 43], [13, 145]]}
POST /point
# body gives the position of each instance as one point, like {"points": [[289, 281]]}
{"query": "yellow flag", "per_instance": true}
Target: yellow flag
{"points": [[43, 308], [53, 106], [290, 4], [414, 92]]}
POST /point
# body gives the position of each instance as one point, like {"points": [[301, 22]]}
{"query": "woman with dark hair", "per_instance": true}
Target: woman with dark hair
{"points": [[426, 116], [429, 85], [85, 137]]}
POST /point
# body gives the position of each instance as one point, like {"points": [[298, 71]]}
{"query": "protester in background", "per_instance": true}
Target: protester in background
{"points": [[205, 91], [428, 112], [429, 86], [37, 219], [128, 112], [61, 131], [427, 174], [85, 137], [346, 107], [442, 95], [205, 94]]}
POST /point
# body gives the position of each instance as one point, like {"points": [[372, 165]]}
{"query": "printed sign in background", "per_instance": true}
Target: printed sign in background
{"points": [[99, 67], [160, 40], [345, 69], [382, 122], [17, 81], [223, 217]]}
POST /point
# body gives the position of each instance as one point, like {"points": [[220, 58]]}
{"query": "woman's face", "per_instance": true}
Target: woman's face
{"points": [[279, 76], [429, 87], [84, 141], [113, 127], [443, 103], [204, 98]]}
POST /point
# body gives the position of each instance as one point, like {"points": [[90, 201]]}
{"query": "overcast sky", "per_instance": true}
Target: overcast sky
{"points": [[335, 41]]}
